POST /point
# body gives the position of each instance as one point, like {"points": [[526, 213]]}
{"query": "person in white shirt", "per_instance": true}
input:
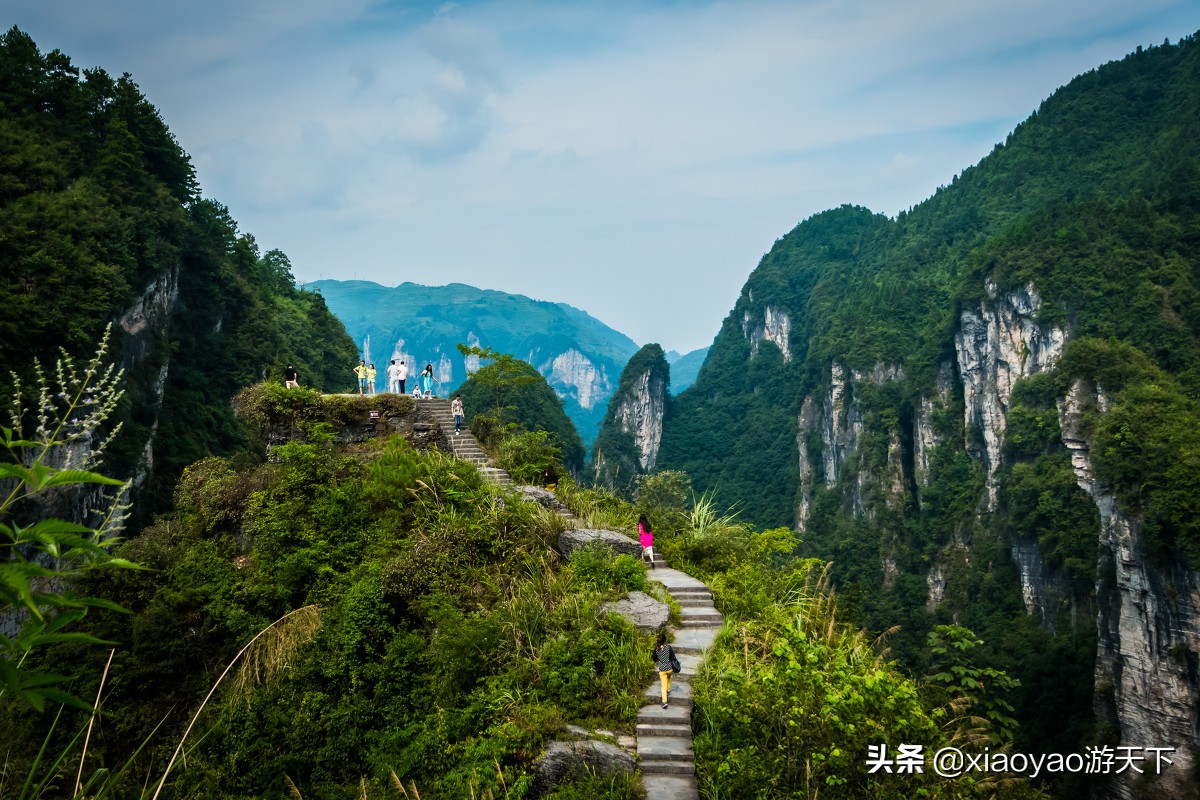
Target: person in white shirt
{"points": [[393, 371], [403, 375]]}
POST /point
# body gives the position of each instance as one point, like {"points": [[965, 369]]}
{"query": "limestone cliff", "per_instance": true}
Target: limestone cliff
{"points": [[629, 440], [997, 343], [1148, 623], [1148, 617]]}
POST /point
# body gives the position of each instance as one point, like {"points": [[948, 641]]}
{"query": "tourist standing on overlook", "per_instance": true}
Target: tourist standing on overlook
{"points": [[427, 381], [393, 372], [291, 379], [456, 408], [646, 537], [403, 374], [371, 373], [361, 372]]}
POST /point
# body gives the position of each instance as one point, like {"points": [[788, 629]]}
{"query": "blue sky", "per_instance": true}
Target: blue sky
{"points": [[634, 159]]}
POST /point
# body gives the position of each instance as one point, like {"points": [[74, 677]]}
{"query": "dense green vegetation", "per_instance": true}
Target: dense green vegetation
{"points": [[99, 209], [616, 458], [1094, 201], [443, 642]]}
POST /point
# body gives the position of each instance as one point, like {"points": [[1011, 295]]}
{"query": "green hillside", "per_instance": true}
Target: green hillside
{"points": [[101, 221], [580, 356], [1094, 202], [1118, 143]]}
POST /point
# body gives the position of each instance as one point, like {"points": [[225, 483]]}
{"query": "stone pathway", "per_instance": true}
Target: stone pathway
{"points": [[663, 743], [664, 735], [464, 445]]}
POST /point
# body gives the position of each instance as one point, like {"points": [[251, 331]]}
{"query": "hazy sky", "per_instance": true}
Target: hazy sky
{"points": [[634, 159]]}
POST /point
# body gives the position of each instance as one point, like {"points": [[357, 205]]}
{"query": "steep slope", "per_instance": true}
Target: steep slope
{"points": [[578, 355], [980, 410], [101, 221]]}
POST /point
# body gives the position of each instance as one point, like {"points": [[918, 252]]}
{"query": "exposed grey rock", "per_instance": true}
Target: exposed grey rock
{"points": [[640, 414], [1148, 628], [576, 732], [575, 373], [998, 343], [571, 540], [543, 497], [775, 326], [568, 761], [646, 613], [925, 438]]}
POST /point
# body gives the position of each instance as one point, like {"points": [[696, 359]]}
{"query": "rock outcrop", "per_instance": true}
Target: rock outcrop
{"points": [[775, 326], [997, 343], [631, 436], [569, 761], [571, 540], [643, 611], [572, 374]]}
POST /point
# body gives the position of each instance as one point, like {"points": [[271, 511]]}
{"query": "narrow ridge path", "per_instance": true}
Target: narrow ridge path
{"points": [[664, 735]]}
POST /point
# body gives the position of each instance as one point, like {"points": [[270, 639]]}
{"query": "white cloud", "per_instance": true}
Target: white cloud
{"points": [[634, 160]]}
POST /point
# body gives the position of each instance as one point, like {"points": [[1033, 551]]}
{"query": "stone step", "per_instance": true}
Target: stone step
{"points": [[658, 767], [690, 664], [694, 602], [670, 787], [663, 729], [694, 641], [703, 623], [666, 748], [681, 691], [700, 614], [655, 714]]}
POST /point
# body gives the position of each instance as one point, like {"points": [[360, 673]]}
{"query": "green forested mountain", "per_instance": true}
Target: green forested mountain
{"points": [[578, 354], [101, 221], [1094, 198], [941, 402]]}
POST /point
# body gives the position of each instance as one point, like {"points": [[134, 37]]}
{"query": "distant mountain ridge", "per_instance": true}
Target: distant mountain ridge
{"points": [[580, 356]]}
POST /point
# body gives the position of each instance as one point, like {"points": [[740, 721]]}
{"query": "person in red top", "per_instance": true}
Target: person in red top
{"points": [[646, 537]]}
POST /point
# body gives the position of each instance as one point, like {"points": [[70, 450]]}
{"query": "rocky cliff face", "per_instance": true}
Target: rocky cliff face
{"points": [[775, 326], [630, 439], [840, 422], [572, 374], [1147, 673], [997, 343], [1147, 681], [145, 325], [640, 414]]}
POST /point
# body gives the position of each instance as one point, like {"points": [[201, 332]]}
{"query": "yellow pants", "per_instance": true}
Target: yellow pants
{"points": [[665, 678]]}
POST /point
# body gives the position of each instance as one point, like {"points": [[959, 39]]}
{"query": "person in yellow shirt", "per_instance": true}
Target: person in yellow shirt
{"points": [[371, 380], [361, 372]]}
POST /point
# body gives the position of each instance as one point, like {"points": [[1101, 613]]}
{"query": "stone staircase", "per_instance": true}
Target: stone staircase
{"points": [[464, 445], [664, 735], [663, 743]]}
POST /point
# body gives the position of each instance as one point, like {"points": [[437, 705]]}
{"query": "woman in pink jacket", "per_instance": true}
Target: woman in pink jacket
{"points": [[646, 536]]}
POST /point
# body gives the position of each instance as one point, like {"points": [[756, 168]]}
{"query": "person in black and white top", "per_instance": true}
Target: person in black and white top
{"points": [[664, 656]]}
